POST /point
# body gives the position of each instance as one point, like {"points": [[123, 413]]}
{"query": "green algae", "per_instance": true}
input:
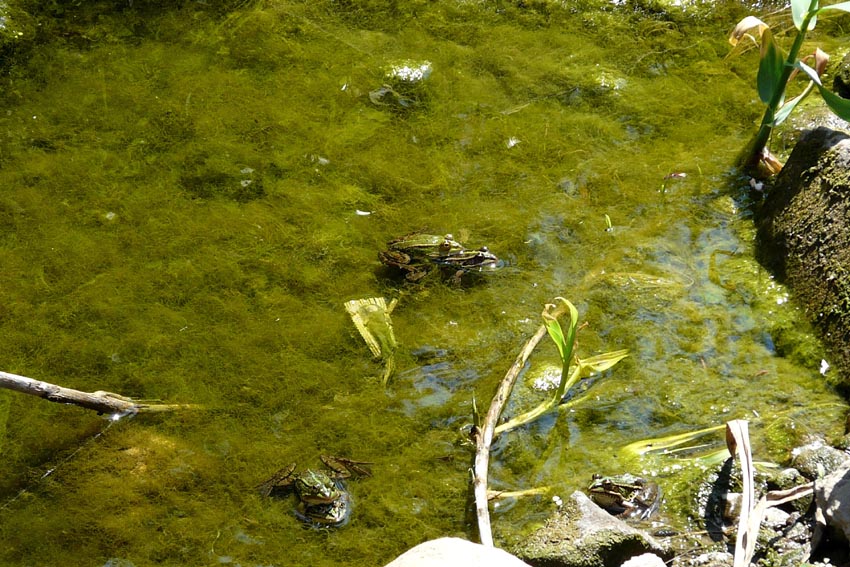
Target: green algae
{"points": [[179, 222]]}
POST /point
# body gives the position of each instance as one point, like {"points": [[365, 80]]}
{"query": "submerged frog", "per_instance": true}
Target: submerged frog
{"points": [[417, 254], [323, 500], [467, 260], [625, 495]]}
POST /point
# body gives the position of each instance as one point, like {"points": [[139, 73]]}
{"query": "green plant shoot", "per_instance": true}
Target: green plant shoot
{"points": [[572, 368], [776, 70]]}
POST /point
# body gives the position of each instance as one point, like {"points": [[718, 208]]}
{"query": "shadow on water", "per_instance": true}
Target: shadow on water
{"points": [[191, 192]]}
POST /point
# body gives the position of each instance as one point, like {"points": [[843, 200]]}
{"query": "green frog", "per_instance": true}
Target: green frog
{"points": [[417, 254], [323, 500], [625, 495]]}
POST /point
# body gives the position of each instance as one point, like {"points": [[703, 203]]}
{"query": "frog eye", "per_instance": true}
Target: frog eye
{"points": [[596, 476]]}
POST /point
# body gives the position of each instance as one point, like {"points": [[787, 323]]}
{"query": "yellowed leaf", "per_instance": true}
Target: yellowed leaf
{"points": [[821, 60], [746, 27]]}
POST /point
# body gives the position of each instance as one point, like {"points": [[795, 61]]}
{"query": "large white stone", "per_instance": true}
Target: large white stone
{"points": [[455, 552], [645, 560]]}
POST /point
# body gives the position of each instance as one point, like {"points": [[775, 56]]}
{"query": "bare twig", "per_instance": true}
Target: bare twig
{"points": [[500, 494], [484, 437], [100, 401]]}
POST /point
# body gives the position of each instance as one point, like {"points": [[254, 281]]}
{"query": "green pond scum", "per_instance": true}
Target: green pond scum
{"points": [[191, 191]]}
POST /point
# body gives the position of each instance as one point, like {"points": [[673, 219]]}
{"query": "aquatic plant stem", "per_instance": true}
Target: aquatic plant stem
{"points": [[484, 437], [754, 149], [100, 401], [539, 410]]}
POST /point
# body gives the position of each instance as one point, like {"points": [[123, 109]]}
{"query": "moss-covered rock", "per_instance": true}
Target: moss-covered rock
{"points": [[804, 236], [581, 534]]}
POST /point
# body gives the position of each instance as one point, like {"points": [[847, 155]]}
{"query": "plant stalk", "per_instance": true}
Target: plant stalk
{"points": [[543, 408], [750, 158]]}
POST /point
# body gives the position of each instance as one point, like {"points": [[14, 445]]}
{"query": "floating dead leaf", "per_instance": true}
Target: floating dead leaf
{"points": [[371, 316]]}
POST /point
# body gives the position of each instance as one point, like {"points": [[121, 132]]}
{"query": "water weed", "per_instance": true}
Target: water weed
{"points": [[135, 261], [776, 70]]}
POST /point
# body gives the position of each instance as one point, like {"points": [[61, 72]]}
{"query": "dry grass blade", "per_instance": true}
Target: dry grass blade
{"points": [[738, 442], [779, 497]]}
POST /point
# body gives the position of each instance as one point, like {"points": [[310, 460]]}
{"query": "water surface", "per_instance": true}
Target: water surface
{"points": [[179, 222]]}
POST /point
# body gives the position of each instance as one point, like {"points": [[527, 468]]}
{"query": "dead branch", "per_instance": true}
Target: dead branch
{"points": [[484, 437], [502, 494], [100, 401]]}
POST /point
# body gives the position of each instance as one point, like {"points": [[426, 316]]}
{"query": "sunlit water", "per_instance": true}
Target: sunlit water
{"points": [[181, 219]]}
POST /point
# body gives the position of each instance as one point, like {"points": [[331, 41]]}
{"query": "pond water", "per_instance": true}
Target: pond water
{"points": [[182, 219]]}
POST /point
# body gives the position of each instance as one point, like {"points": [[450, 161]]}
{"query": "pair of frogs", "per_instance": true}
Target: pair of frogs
{"points": [[626, 495], [323, 500], [418, 254]]}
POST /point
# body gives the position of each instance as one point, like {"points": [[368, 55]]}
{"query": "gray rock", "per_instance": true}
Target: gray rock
{"points": [[832, 499], [581, 534], [818, 459], [455, 552]]}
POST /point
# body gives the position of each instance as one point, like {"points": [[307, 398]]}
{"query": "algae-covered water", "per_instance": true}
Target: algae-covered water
{"points": [[182, 219]]}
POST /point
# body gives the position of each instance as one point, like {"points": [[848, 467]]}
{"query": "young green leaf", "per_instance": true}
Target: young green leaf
{"points": [[840, 106], [813, 75], [553, 327], [799, 10], [843, 6], [786, 109], [770, 68], [602, 362]]}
